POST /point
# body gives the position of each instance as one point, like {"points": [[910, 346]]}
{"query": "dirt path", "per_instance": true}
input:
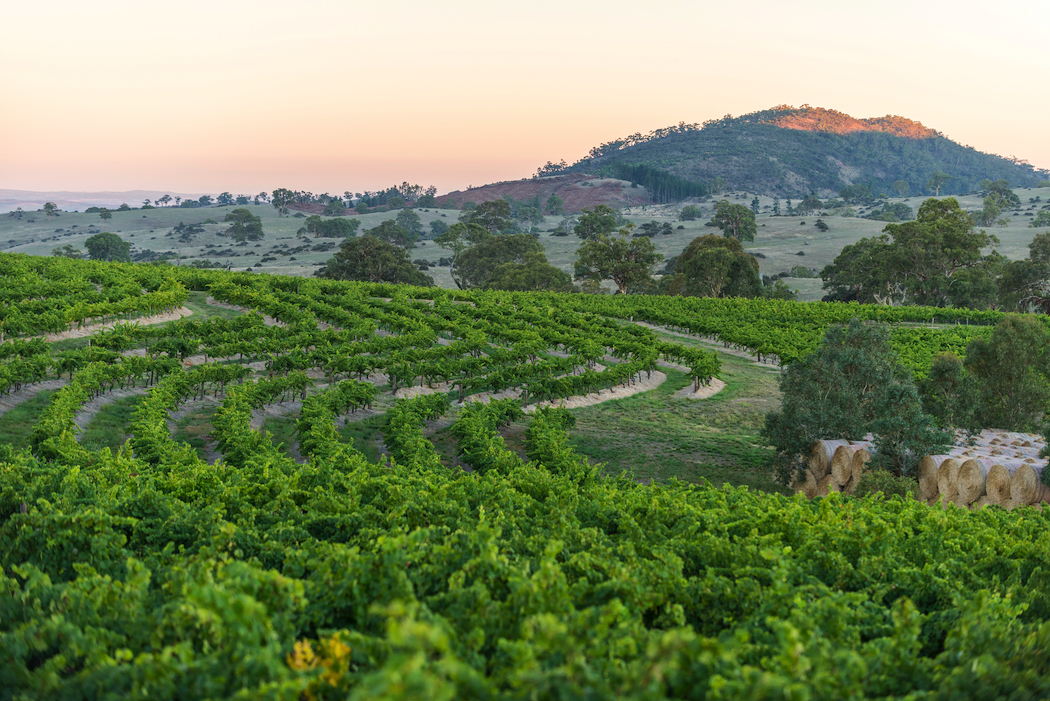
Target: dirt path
{"points": [[190, 407], [710, 390], [274, 411], [90, 329], [268, 320], [92, 407], [656, 379], [715, 345], [10, 401]]}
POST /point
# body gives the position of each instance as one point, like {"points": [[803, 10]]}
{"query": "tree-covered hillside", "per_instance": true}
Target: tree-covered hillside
{"points": [[789, 151]]}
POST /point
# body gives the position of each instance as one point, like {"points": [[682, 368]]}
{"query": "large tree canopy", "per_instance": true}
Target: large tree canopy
{"points": [[712, 266], [1012, 372], [599, 222], [533, 274], [735, 220], [368, 259], [390, 232], [479, 263], [331, 228], [107, 246], [480, 259], [245, 226], [936, 260], [493, 216], [626, 260]]}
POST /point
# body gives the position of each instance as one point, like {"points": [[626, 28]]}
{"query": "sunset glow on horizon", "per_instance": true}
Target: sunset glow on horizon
{"points": [[331, 96]]}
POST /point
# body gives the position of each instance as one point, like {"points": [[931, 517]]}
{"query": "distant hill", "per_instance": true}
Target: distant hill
{"points": [[31, 200], [578, 190], [790, 151]]}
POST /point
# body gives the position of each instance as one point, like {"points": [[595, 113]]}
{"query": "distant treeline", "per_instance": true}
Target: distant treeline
{"points": [[662, 186]]}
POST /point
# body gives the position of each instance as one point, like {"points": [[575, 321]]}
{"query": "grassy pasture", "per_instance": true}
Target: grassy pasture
{"points": [[779, 240]]}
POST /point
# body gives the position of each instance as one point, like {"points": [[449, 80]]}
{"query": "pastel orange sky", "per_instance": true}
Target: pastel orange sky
{"points": [[330, 96]]}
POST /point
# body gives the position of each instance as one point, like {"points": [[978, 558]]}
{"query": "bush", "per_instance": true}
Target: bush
{"points": [[689, 213], [854, 384], [886, 483]]}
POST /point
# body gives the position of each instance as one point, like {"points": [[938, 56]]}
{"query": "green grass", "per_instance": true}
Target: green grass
{"points": [[109, 427], [202, 310], [70, 344], [195, 428], [366, 435], [282, 431], [16, 424], [655, 436]]}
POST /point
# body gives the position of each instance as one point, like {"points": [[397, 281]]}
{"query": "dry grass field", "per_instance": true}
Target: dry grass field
{"points": [[783, 242]]}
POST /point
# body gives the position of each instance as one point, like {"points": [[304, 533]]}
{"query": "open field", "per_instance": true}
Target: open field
{"points": [[780, 239]]}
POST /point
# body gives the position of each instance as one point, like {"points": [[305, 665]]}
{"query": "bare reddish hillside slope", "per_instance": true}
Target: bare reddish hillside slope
{"points": [[820, 119], [578, 190]]}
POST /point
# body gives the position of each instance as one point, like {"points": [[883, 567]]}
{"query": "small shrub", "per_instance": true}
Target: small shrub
{"points": [[876, 481]]}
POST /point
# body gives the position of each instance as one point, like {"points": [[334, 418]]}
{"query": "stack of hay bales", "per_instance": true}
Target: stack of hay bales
{"points": [[835, 466], [997, 468]]}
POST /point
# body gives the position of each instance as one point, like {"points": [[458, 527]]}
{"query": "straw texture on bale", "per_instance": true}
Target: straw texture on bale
{"points": [[981, 503], [997, 484], [861, 458], [820, 456], [970, 481], [841, 463], [809, 484], [1024, 485], [928, 475], [947, 478]]}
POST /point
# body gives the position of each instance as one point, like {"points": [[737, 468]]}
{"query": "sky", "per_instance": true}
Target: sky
{"points": [[329, 96]]}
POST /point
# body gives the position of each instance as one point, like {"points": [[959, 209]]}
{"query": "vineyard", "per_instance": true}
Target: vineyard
{"points": [[469, 571]]}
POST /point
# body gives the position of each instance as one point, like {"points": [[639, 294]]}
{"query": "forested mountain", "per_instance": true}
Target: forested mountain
{"points": [[790, 151]]}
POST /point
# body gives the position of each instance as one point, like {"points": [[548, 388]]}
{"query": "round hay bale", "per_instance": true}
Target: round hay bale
{"points": [[850, 487], [809, 484], [1024, 485], [928, 475], [856, 467], [824, 486], [947, 478], [970, 481], [820, 455], [997, 484], [981, 503], [840, 464]]}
